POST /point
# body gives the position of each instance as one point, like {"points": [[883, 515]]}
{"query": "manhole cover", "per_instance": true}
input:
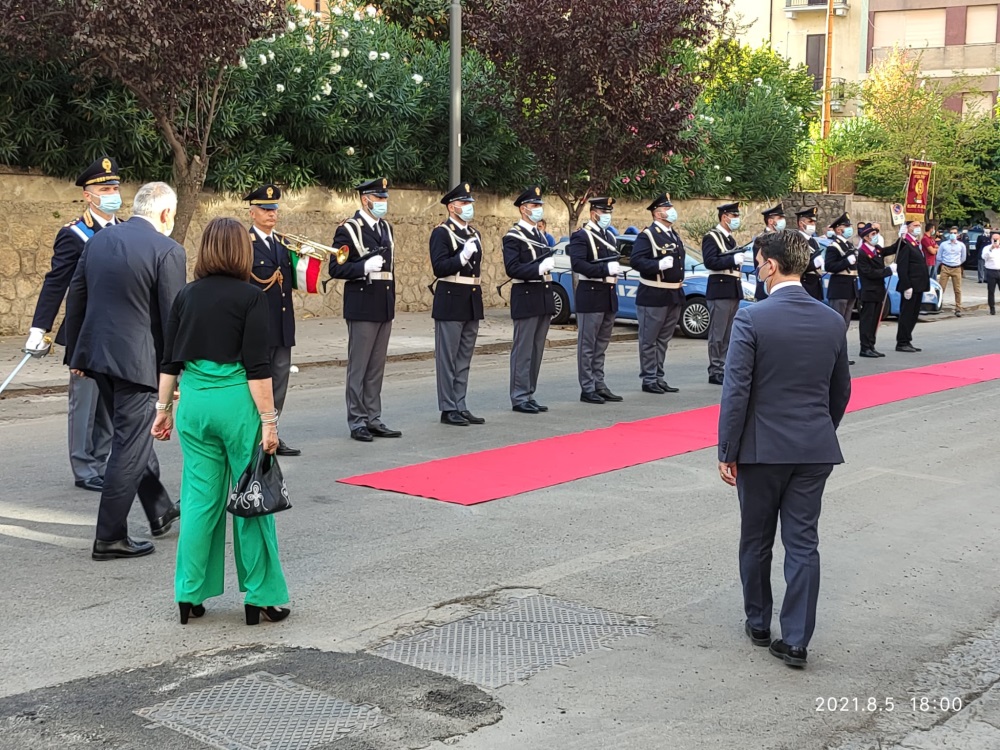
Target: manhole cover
{"points": [[262, 711], [513, 641]]}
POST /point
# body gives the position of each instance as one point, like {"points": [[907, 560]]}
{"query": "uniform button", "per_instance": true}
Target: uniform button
{"points": [[262, 262], [283, 309]]}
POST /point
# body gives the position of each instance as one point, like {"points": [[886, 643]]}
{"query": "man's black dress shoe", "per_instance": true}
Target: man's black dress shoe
{"points": [[667, 388], [362, 434], [538, 405], [287, 450], [454, 418], [380, 430], [851, 362], [759, 637], [793, 656], [715, 379], [868, 354], [526, 408], [94, 484], [471, 418], [590, 397], [654, 388], [121, 549], [909, 348], [608, 395], [877, 353], [160, 526]]}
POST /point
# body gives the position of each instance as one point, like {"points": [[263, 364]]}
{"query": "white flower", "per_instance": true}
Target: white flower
{"points": [[371, 95], [728, 178], [384, 55], [344, 52], [291, 26], [317, 15], [263, 59], [270, 39], [337, 11], [303, 23], [357, 15], [373, 55], [280, 87], [296, 69], [327, 89], [317, 98], [243, 63], [309, 39], [371, 32], [334, 70], [360, 84], [417, 78], [716, 166], [270, 54], [758, 81], [350, 150], [344, 33], [370, 10]]}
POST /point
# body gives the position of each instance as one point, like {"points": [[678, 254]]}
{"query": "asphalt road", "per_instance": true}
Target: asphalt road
{"points": [[909, 542]]}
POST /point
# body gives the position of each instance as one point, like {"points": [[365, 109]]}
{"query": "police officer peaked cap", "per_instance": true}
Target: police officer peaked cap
{"points": [[461, 192], [378, 187], [266, 196], [777, 210], [660, 201], [532, 195], [807, 213], [867, 229], [602, 204], [729, 208], [842, 221], [104, 171]]}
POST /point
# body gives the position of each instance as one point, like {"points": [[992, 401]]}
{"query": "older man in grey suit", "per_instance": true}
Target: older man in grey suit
{"points": [[786, 389]]}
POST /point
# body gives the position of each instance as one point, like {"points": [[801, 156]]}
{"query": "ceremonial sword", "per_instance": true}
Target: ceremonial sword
{"points": [[28, 354]]}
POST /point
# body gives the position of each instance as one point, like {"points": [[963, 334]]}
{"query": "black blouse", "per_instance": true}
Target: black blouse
{"points": [[220, 319]]}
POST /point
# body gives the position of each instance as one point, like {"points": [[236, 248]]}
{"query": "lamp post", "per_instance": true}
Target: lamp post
{"points": [[455, 130]]}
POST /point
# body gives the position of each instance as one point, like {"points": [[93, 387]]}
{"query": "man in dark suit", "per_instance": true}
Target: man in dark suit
{"points": [[531, 303], [786, 390], [658, 255], [272, 271], [725, 287], [369, 307], [593, 257], [914, 280], [116, 318], [456, 250], [812, 278], [89, 422]]}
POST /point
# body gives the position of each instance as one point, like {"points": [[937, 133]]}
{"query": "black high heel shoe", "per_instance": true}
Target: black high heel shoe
{"points": [[271, 614], [190, 610]]}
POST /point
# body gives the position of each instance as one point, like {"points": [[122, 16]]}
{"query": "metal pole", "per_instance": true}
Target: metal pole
{"points": [[455, 140], [827, 83]]}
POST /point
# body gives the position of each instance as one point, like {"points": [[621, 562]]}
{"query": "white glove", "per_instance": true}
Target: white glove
{"points": [[666, 263], [908, 293], [614, 268], [852, 259], [819, 263], [36, 340], [374, 264], [739, 258], [892, 267], [468, 251], [546, 266]]}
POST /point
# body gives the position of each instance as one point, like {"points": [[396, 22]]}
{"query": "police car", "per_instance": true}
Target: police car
{"points": [[695, 316]]}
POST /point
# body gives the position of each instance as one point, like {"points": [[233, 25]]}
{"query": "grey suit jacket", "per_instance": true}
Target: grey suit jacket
{"points": [[119, 301], [787, 382]]}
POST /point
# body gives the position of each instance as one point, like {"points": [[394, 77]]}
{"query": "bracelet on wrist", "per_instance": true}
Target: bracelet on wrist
{"points": [[164, 407]]}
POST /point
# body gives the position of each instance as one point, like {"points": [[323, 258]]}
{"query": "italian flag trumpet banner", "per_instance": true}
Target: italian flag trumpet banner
{"points": [[305, 272]]}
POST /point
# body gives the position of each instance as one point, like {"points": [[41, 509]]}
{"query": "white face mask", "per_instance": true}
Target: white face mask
{"points": [[734, 223], [810, 229], [467, 213], [764, 279], [378, 209], [671, 215], [779, 225], [536, 214], [604, 221]]}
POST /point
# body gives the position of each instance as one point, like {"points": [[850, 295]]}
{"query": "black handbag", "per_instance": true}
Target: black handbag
{"points": [[260, 490]]}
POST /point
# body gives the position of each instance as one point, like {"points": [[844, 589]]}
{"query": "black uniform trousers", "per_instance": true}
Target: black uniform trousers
{"points": [[132, 467], [909, 312], [869, 317]]}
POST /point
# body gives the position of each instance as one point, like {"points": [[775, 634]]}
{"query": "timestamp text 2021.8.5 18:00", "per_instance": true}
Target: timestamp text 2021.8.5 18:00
{"points": [[871, 704]]}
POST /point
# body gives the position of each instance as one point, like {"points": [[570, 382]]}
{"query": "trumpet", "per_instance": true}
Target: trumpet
{"points": [[305, 246]]}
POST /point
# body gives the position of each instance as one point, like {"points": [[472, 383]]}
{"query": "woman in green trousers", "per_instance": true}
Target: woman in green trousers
{"points": [[217, 334]]}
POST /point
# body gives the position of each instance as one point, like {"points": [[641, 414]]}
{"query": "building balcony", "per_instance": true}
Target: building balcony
{"points": [[961, 57], [794, 7]]}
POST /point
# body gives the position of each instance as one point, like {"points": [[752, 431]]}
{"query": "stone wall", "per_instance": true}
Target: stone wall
{"points": [[36, 207]]}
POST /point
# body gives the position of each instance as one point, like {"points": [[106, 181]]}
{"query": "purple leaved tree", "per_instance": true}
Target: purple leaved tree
{"points": [[596, 87]]}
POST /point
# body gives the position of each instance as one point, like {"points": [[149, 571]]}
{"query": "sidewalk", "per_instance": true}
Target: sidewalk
{"points": [[321, 342]]}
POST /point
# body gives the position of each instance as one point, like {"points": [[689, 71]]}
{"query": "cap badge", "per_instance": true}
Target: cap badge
{"points": [[270, 192], [106, 165]]}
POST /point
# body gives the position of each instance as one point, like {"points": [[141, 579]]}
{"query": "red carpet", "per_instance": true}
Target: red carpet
{"points": [[479, 477]]}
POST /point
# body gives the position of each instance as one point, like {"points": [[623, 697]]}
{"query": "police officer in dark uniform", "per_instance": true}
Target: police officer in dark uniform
{"points": [[531, 302], [272, 271], [89, 427], [456, 257], [724, 291], [812, 279], [658, 255], [873, 273], [774, 221], [842, 263], [369, 307], [594, 258]]}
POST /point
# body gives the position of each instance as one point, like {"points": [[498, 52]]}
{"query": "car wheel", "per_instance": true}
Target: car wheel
{"points": [[694, 318], [562, 305]]}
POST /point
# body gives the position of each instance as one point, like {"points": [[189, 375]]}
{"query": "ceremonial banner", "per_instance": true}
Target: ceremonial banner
{"points": [[918, 189], [305, 273]]}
